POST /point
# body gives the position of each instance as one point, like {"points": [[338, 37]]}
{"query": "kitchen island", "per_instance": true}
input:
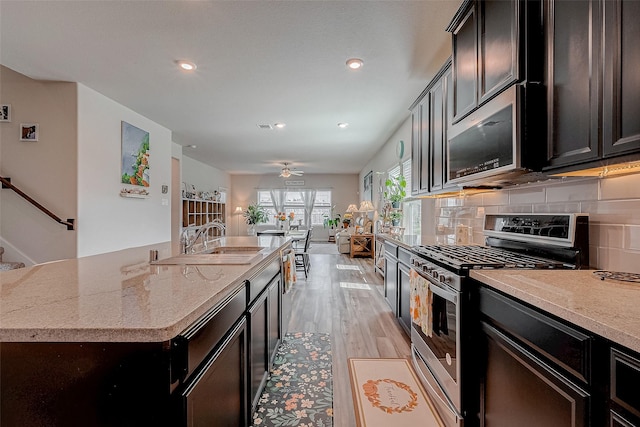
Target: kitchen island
{"points": [[115, 340]]}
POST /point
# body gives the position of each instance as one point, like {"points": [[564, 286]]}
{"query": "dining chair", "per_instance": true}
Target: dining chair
{"points": [[302, 255]]}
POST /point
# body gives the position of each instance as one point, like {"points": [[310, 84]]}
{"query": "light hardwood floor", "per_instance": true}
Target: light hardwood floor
{"points": [[348, 303]]}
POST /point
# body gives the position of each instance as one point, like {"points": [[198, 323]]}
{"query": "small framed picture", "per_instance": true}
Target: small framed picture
{"points": [[29, 131], [5, 112]]}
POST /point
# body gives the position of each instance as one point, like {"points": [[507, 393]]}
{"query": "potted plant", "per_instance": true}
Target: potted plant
{"points": [[255, 214], [331, 220], [395, 191], [395, 217]]}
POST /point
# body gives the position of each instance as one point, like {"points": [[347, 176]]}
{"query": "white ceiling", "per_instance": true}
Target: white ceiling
{"points": [[259, 62]]}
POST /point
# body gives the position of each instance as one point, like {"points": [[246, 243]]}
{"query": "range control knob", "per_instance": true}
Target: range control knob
{"points": [[435, 274], [445, 278]]}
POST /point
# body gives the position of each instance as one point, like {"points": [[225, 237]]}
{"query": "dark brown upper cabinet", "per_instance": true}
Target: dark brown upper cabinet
{"points": [[621, 88], [486, 40], [593, 90], [431, 117], [572, 80]]}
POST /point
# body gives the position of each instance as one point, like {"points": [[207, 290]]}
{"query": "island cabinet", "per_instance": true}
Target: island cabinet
{"points": [[263, 315], [209, 362], [209, 374], [593, 94]]}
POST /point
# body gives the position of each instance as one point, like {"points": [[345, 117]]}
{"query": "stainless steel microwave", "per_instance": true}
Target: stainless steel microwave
{"points": [[486, 147]]}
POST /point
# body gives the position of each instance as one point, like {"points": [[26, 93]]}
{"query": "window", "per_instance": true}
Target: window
{"points": [[294, 202], [411, 209]]}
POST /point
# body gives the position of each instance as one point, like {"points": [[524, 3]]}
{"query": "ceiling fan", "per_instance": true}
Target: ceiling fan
{"points": [[287, 172]]}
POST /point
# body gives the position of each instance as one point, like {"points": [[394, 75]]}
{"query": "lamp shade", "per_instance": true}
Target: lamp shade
{"points": [[238, 210], [352, 208], [366, 206]]}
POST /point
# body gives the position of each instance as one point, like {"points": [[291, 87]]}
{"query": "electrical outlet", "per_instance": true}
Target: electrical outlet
{"points": [[462, 234]]}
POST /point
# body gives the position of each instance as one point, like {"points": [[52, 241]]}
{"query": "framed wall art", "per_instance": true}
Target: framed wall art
{"points": [[368, 187], [29, 132], [5, 112], [135, 155]]}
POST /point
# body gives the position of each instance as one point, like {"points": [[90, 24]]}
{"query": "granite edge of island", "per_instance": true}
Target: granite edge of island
{"points": [[157, 333]]}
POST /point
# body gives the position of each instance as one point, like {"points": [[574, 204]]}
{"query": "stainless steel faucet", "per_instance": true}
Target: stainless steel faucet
{"points": [[191, 234]]}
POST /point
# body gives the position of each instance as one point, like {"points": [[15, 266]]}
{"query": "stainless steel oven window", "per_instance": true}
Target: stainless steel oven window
{"points": [[443, 338]]}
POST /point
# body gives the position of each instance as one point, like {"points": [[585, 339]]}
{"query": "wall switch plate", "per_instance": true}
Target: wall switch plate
{"points": [[165, 202]]}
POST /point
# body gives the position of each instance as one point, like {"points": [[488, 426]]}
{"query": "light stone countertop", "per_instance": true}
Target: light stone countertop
{"points": [[119, 296], [608, 308]]}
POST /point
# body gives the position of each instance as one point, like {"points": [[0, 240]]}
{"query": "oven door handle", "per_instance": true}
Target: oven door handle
{"points": [[441, 291]]}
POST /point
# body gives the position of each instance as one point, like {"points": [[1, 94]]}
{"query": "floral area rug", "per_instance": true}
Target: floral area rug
{"points": [[299, 390]]}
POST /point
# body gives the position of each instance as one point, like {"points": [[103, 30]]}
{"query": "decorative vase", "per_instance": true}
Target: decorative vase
{"points": [[251, 230], [395, 205]]}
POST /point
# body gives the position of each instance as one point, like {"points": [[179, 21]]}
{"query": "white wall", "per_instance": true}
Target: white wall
{"points": [[204, 177], [45, 170], [384, 160], [106, 221], [244, 189]]}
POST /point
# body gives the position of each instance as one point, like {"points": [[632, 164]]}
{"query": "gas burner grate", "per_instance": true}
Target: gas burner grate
{"points": [[476, 257], [617, 275]]}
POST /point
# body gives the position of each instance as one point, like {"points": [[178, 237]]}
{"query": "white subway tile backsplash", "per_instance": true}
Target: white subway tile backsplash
{"points": [[621, 187], [569, 207], [494, 198], [527, 195], [606, 235], [616, 212], [613, 205], [618, 260], [566, 192], [632, 238]]}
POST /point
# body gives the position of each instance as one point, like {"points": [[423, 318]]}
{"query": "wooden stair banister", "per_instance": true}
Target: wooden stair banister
{"points": [[6, 183]]}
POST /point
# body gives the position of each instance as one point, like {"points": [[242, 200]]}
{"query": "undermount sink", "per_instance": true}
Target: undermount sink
{"points": [[220, 255], [234, 250]]}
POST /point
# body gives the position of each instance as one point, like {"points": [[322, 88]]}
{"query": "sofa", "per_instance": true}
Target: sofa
{"points": [[343, 237], [343, 240]]}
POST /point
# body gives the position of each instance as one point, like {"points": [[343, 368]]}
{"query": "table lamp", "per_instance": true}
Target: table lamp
{"points": [[237, 212], [366, 206]]}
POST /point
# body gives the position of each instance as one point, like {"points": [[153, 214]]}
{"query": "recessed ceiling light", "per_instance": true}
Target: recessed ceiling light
{"points": [[355, 63], [279, 125], [343, 125], [186, 65], [192, 146]]}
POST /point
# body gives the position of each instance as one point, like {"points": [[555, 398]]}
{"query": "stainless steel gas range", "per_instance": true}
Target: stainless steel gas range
{"points": [[443, 312]]}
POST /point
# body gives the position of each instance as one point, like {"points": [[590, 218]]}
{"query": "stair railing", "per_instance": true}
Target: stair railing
{"points": [[6, 183]]}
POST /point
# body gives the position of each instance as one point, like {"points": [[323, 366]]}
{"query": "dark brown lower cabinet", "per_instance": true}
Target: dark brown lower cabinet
{"points": [[391, 276], [216, 395], [404, 298], [258, 358], [520, 389], [264, 336], [624, 395]]}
